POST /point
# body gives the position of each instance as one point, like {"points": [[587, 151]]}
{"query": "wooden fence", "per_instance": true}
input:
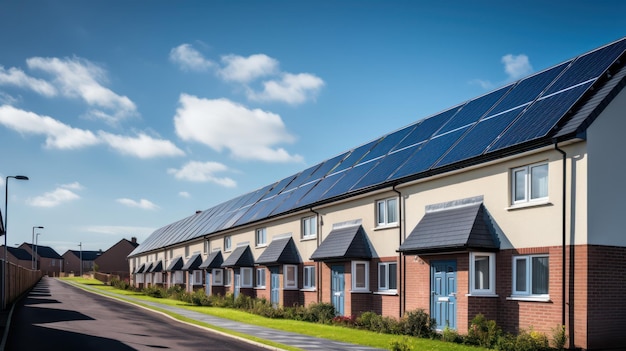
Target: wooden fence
{"points": [[18, 281]]}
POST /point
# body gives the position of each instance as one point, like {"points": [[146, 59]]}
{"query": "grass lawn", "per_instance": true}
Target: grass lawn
{"points": [[344, 334]]}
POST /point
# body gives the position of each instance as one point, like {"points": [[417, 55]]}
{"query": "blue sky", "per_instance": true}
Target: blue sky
{"points": [[129, 115]]}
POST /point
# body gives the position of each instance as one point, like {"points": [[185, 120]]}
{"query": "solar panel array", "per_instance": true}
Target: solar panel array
{"points": [[522, 112]]}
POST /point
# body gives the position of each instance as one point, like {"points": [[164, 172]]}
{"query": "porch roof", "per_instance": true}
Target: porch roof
{"points": [[214, 260], [241, 257], [281, 250], [344, 242], [157, 267], [175, 265], [194, 262]]}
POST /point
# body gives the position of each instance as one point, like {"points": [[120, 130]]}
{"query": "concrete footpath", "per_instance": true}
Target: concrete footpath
{"points": [[303, 342]]}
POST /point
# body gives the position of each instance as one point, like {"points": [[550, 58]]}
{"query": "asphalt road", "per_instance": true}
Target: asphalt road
{"points": [[57, 316]]}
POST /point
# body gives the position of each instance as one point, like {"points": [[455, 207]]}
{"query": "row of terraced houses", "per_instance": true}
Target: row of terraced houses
{"points": [[509, 205]]}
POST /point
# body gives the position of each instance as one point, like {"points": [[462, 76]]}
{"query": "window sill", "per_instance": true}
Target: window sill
{"points": [[308, 289], [260, 246], [531, 204], [490, 295], [308, 238], [386, 226], [388, 293], [292, 288], [360, 292], [259, 288], [529, 298]]}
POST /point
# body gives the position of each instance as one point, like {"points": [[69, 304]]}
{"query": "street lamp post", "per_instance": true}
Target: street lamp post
{"points": [[32, 242], [37, 244], [6, 221], [80, 245]]}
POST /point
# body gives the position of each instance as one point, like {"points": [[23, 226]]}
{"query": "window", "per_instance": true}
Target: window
{"points": [[197, 278], [291, 276], [186, 251], [531, 275], [227, 243], [261, 237], [246, 277], [309, 227], [308, 279], [218, 276], [179, 277], [530, 183], [260, 278], [206, 246], [227, 277], [387, 212], [388, 276], [171, 253], [360, 276], [482, 273]]}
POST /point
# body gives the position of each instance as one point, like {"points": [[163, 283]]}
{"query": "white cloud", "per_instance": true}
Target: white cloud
{"points": [[7, 99], [516, 66], [58, 196], [223, 124], [143, 203], [195, 171], [142, 146], [189, 59], [184, 194], [292, 89], [79, 78], [58, 135], [18, 78], [245, 69], [485, 84]]}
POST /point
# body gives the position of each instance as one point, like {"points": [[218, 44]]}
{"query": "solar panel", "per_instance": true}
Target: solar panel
{"points": [[473, 110], [327, 166], [386, 144], [302, 177], [321, 187], [352, 176], [427, 128], [588, 66], [355, 156], [294, 199], [540, 118], [280, 186], [387, 166], [430, 152], [479, 137]]}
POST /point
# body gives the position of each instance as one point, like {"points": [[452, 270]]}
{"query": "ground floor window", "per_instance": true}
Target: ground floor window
{"points": [[227, 277], [178, 277], [260, 278], [308, 279], [360, 275], [531, 275], [388, 276], [218, 276], [246, 277], [482, 273], [197, 278], [291, 276]]}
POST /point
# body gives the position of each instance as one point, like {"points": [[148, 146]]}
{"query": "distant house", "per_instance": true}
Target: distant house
{"points": [[19, 256], [114, 261], [48, 261], [72, 261]]}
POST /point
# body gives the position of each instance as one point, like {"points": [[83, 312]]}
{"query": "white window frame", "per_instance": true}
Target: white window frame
{"points": [[526, 172], [491, 279], [366, 285], [309, 227], [197, 278], [527, 292], [385, 286], [206, 246], [217, 276], [260, 278], [383, 210], [290, 283], [186, 251], [158, 278], [228, 277], [308, 277], [228, 243], [246, 277], [260, 237], [178, 277]]}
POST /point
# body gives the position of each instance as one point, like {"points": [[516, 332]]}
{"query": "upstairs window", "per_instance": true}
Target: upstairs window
{"points": [[309, 227], [387, 212], [261, 237], [529, 183], [228, 243]]}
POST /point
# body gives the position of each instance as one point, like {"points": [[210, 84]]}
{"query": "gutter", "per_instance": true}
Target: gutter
{"points": [[318, 265], [564, 242]]}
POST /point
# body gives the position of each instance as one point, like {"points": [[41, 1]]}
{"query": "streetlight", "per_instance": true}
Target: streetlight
{"points": [[6, 221], [33, 244], [37, 243]]}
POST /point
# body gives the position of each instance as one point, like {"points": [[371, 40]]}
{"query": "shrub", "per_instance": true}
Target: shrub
{"points": [[321, 312], [418, 323], [483, 332], [524, 341], [344, 321], [367, 320], [154, 292], [451, 335], [400, 345], [200, 298], [559, 337], [120, 284], [243, 302]]}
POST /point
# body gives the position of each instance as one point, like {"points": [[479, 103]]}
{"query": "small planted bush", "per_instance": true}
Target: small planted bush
{"points": [[418, 323], [483, 332]]}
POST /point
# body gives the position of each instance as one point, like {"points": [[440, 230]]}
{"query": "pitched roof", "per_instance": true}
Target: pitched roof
{"points": [[157, 267], [458, 228], [45, 251], [553, 105], [175, 265], [214, 260], [86, 255], [240, 257], [193, 263], [344, 242], [20, 254], [281, 250]]}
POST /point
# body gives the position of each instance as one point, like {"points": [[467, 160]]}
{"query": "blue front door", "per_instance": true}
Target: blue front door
{"points": [[337, 288], [237, 283], [443, 288], [274, 286], [208, 283]]}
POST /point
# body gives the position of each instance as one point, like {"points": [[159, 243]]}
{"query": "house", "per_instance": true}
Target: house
{"points": [[48, 261], [508, 205], [114, 261], [73, 259], [19, 257]]}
